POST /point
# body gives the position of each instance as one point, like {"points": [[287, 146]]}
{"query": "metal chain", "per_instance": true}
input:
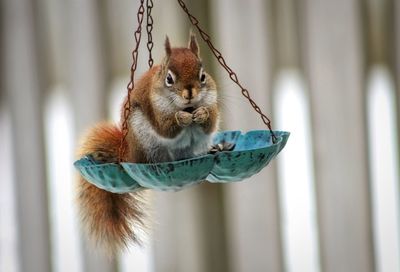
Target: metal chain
{"points": [[131, 84], [149, 28], [232, 74], [150, 44]]}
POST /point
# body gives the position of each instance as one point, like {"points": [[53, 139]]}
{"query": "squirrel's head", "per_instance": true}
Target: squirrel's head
{"points": [[182, 78]]}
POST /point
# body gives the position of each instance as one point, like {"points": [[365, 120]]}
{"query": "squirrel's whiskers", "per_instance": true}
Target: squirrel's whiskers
{"points": [[160, 129]]}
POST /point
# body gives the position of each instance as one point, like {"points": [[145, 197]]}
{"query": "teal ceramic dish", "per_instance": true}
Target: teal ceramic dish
{"points": [[107, 176], [252, 152], [171, 176]]}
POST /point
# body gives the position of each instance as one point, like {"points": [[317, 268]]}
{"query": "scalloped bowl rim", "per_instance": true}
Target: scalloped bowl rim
{"points": [[280, 138], [279, 141]]}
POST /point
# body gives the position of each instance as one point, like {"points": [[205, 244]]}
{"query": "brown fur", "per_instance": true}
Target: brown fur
{"points": [[193, 45], [211, 124], [110, 219], [183, 62], [107, 217]]}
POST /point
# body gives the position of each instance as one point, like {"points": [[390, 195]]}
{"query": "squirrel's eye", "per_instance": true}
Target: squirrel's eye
{"points": [[169, 80], [202, 77]]}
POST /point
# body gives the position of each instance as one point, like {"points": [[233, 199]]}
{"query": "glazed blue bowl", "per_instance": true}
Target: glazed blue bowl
{"points": [[252, 152], [111, 177]]}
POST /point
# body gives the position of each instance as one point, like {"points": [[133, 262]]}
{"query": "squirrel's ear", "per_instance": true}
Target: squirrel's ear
{"points": [[167, 47], [193, 45]]}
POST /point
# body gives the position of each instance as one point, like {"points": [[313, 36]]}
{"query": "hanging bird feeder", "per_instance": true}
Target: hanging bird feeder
{"points": [[234, 156]]}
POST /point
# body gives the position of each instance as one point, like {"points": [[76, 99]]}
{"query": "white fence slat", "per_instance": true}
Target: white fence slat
{"points": [[252, 214], [86, 80], [383, 168], [59, 139], [295, 164], [119, 24], [179, 244], [53, 23], [22, 83], [85, 63], [332, 46], [296, 180], [9, 255]]}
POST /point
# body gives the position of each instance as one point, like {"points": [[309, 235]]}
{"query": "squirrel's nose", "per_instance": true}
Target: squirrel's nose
{"points": [[187, 94]]}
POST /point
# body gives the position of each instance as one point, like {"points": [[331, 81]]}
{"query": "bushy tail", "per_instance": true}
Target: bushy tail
{"points": [[109, 219]]}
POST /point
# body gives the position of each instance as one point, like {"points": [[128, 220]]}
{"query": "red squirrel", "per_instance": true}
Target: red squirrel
{"points": [[173, 116]]}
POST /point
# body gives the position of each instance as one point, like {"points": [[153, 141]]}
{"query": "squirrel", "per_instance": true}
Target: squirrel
{"points": [[174, 113]]}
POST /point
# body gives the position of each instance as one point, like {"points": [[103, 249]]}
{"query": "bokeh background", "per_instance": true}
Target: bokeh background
{"points": [[328, 71]]}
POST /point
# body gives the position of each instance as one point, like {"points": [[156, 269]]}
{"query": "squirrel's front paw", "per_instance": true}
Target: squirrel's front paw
{"points": [[183, 118], [200, 115]]}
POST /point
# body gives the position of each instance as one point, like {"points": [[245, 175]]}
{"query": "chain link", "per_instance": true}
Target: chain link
{"points": [[131, 84], [149, 28], [150, 45], [231, 73]]}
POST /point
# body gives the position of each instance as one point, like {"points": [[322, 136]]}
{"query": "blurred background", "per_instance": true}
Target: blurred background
{"points": [[328, 71]]}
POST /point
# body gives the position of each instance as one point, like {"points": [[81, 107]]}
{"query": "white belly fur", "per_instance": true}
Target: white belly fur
{"points": [[192, 141]]}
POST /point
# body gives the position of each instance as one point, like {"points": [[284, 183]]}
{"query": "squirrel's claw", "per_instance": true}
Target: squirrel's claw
{"points": [[200, 115], [183, 118]]}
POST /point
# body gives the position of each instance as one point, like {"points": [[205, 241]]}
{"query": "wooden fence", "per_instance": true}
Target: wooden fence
{"points": [[310, 61]]}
